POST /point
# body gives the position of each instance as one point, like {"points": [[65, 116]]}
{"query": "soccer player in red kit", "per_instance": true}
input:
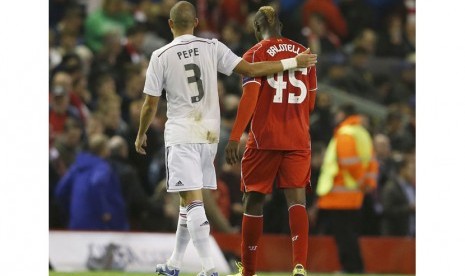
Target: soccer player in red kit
{"points": [[278, 108]]}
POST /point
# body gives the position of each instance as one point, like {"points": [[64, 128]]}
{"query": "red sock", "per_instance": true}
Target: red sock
{"points": [[298, 222], [252, 228]]}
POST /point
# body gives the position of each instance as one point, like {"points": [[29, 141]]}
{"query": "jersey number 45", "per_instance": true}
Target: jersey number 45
{"points": [[279, 85]]}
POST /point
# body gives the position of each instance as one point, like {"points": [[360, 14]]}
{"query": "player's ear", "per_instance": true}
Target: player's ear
{"points": [[196, 22], [171, 23], [256, 26]]}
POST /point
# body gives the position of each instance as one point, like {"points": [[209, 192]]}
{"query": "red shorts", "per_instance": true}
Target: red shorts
{"points": [[261, 167]]}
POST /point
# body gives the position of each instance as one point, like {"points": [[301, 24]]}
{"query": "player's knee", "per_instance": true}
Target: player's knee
{"points": [[187, 197], [295, 197], [253, 203]]}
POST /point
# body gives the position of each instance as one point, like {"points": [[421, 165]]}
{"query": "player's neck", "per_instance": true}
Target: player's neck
{"points": [[270, 35], [177, 33]]}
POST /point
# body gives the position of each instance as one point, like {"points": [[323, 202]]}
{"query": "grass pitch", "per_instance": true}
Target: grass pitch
{"points": [[153, 274]]}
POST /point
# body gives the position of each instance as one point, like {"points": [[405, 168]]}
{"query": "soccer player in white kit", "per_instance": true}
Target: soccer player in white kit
{"points": [[187, 69]]}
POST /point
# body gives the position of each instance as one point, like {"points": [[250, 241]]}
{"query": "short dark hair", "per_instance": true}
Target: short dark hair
{"points": [[136, 29], [183, 15], [348, 109]]}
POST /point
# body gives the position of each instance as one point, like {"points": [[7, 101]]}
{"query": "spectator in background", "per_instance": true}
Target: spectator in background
{"points": [[71, 21], [103, 89], [318, 36], [359, 80], [349, 171], [133, 86], [105, 60], [151, 167], [68, 44], [83, 95], [382, 146], [393, 41], [112, 17], [157, 16], [59, 111], [111, 114], [65, 80], [404, 87], [336, 72], [231, 35], [132, 48], [322, 120], [144, 213], [398, 199], [94, 125], [66, 146], [366, 39], [330, 14], [358, 16], [131, 57], [153, 38], [61, 156], [232, 11], [401, 139], [90, 192]]}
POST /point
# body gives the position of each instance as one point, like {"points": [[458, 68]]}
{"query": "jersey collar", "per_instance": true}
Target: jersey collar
{"points": [[184, 37]]}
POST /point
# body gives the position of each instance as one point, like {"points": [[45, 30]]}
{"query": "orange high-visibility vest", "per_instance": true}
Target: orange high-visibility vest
{"points": [[349, 167]]}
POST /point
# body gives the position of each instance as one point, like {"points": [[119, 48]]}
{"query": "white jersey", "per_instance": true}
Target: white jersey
{"points": [[187, 69]]}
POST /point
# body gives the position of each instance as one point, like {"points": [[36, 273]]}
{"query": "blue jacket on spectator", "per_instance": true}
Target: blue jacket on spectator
{"points": [[89, 192]]}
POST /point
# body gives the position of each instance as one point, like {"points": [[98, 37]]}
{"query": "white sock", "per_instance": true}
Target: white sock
{"points": [[199, 228], [182, 239]]}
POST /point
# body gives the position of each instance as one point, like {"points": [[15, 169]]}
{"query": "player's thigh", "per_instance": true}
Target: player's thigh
{"points": [[183, 168], [294, 170], [208, 153], [259, 169]]}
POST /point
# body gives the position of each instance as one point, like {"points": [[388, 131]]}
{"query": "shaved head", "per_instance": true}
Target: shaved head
{"points": [[183, 15]]}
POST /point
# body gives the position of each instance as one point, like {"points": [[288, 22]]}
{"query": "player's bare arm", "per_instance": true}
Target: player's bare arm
{"points": [[149, 109], [245, 111], [265, 68]]}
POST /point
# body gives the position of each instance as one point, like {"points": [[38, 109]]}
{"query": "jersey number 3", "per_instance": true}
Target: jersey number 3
{"points": [[195, 79], [279, 84]]}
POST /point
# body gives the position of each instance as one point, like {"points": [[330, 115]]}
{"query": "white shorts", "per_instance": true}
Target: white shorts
{"points": [[190, 167]]}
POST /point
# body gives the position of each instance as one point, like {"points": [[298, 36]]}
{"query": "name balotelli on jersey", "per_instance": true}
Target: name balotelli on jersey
{"points": [[281, 120], [274, 49]]}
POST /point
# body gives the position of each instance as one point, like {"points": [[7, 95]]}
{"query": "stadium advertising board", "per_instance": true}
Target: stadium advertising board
{"points": [[134, 252]]}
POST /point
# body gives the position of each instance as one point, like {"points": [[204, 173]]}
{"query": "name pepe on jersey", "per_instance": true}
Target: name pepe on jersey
{"points": [[188, 53]]}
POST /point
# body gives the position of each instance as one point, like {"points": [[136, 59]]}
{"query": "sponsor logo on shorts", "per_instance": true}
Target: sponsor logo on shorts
{"points": [[205, 223], [179, 183]]}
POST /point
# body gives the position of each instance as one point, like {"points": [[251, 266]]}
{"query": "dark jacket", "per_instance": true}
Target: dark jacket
{"points": [[396, 214], [88, 190]]}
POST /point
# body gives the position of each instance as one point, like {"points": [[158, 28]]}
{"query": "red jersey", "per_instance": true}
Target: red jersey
{"points": [[281, 120]]}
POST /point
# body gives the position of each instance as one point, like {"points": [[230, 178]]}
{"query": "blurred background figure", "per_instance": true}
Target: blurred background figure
{"points": [[349, 171], [90, 192], [399, 201], [144, 213], [113, 16]]}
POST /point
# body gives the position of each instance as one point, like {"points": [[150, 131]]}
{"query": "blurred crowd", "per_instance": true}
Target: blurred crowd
{"points": [[98, 54]]}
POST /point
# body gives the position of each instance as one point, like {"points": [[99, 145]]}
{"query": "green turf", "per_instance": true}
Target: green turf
{"points": [[153, 274]]}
